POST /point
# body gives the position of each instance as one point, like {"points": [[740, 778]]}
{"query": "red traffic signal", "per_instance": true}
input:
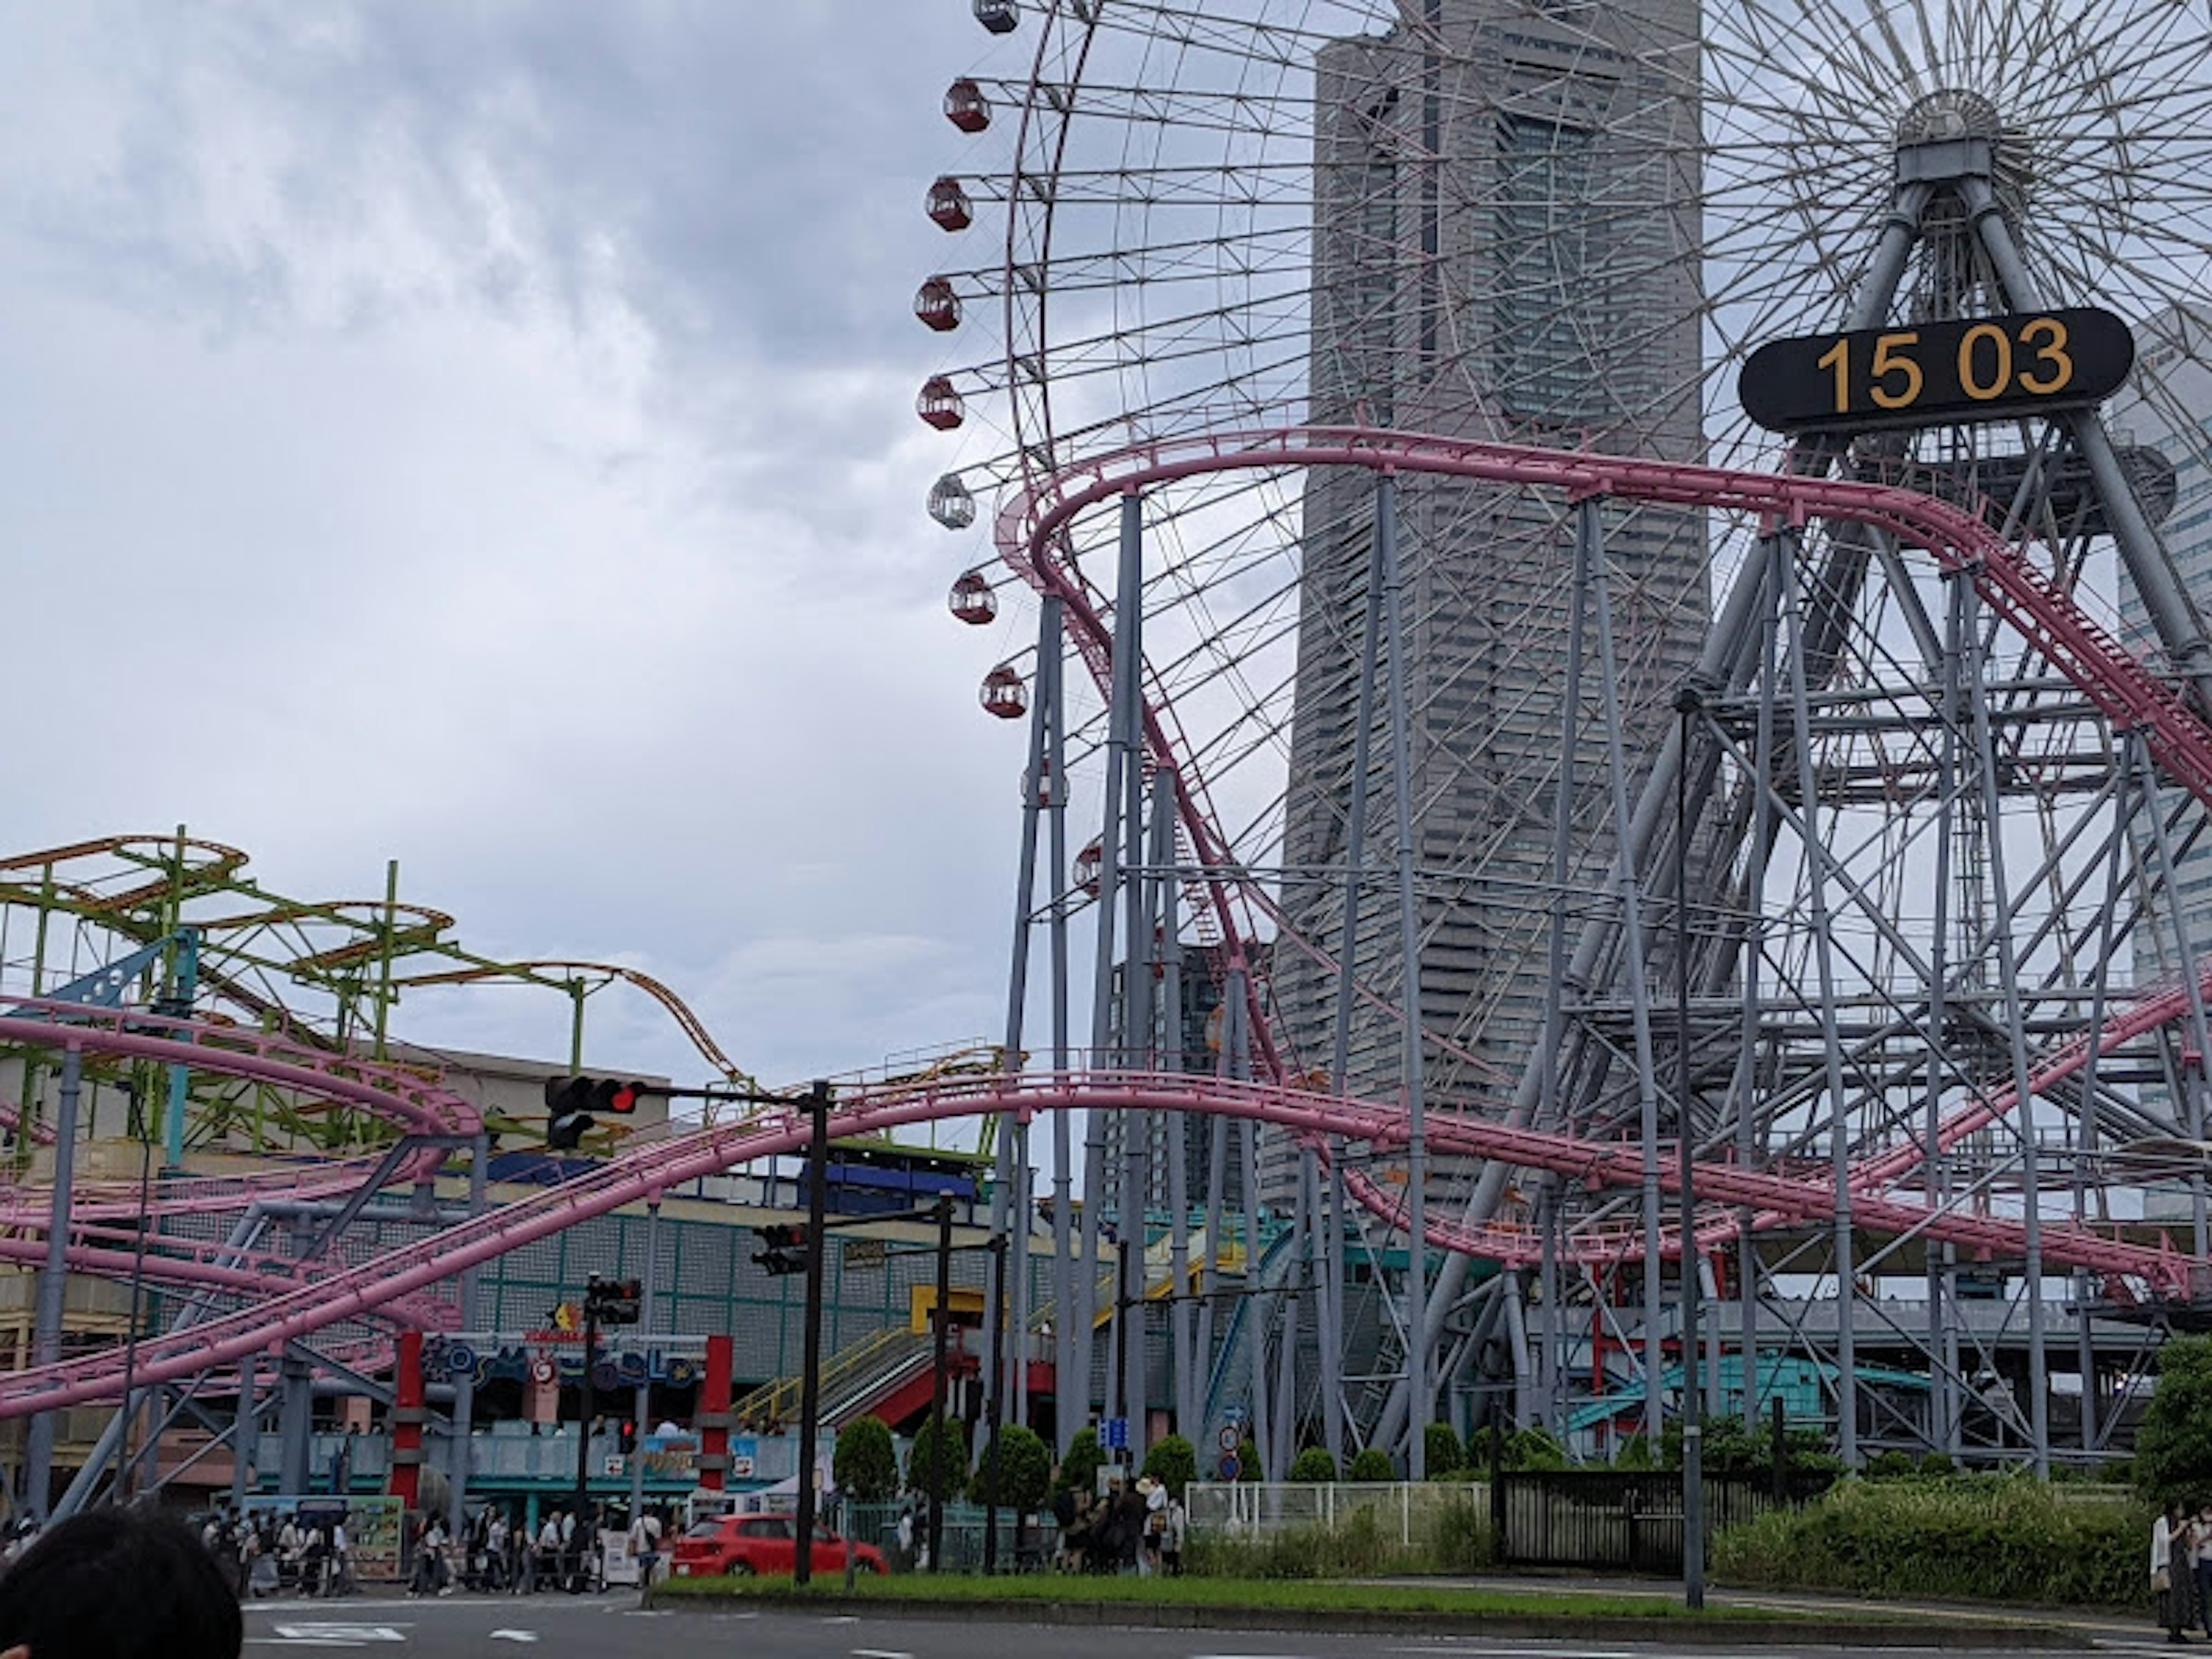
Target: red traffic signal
{"points": [[615, 1096]]}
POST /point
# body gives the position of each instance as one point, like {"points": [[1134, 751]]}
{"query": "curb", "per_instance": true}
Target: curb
{"points": [[1948, 1634]]}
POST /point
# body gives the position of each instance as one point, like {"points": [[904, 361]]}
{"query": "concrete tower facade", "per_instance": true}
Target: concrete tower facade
{"points": [[1505, 247]]}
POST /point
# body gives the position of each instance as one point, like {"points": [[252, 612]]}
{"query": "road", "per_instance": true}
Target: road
{"points": [[612, 1626]]}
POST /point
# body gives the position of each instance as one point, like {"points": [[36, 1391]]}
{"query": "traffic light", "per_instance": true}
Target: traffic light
{"points": [[571, 1101], [628, 1436], [615, 1301], [567, 1112], [784, 1248]]}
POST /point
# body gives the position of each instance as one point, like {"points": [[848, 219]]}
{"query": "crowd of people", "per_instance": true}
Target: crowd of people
{"points": [[497, 1553], [2181, 1568], [293, 1552], [1135, 1527]]}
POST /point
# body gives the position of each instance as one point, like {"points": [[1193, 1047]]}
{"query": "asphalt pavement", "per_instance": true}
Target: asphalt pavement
{"points": [[614, 1626]]}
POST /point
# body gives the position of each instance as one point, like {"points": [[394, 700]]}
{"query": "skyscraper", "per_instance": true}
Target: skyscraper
{"points": [[1505, 247]]}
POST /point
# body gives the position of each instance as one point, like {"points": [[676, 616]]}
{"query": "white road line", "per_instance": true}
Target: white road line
{"points": [[513, 1635], [879, 1653]]}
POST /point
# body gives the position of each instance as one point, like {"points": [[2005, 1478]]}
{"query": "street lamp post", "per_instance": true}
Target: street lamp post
{"points": [[810, 1386]]}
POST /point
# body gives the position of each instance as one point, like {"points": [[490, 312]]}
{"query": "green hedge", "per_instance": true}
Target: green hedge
{"points": [[1984, 1538]]}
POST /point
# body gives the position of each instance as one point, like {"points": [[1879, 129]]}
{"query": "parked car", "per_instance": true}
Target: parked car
{"points": [[743, 1545]]}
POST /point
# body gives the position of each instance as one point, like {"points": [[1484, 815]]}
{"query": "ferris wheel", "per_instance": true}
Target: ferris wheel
{"points": [[1935, 932]]}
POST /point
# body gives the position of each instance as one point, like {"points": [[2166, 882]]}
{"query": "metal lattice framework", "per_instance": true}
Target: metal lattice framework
{"points": [[1395, 768]]}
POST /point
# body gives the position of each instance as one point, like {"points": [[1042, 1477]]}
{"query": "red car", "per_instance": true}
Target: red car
{"points": [[743, 1545]]}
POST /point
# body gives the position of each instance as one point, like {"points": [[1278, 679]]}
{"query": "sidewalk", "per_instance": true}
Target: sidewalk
{"points": [[2100, 1625]]}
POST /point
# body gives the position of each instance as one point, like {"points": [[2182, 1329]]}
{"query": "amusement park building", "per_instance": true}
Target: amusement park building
{"points": [[1470, 297], [706, 1279]]}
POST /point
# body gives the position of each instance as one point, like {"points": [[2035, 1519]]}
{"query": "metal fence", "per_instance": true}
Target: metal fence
{"points": [[1608, 1519], [1405, 1513], [1025, 1542]]}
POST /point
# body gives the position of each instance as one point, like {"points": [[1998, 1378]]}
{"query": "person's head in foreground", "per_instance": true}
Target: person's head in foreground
{"points": [[118, 1584]]}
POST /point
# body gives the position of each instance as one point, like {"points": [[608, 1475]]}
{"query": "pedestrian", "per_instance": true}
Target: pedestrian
{"points": [[1156, 1525], [2170, 1568], [118, 1584], [547, 1567], [1130, 1514], [571, 1549], [1171, 1544]]}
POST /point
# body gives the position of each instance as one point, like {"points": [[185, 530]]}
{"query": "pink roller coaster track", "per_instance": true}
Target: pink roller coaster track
{"points": [[392, 1285]]}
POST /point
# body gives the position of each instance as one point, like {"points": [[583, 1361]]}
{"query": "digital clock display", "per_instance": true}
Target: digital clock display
{"points": [[1975, 369]]}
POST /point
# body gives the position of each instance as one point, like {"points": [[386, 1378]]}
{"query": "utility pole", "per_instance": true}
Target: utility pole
{"points": [[584, 1411], [943, 1318], [809, 1397]]}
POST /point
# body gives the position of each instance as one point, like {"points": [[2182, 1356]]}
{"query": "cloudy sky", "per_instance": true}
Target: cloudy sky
{"points": [[481, 435]]}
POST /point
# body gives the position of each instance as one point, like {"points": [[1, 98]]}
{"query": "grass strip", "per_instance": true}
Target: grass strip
{"points": [[1257, 1595]]}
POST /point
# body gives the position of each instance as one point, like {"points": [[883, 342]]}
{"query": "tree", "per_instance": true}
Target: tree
{"points": [[1441, 1446], [936, 1463], [1024, 1472], [1314, 1467], [1248, 1460], [865, 1463], [1372, 1464], [1174, 1462], [2173, 1447], [1078, 1470]]}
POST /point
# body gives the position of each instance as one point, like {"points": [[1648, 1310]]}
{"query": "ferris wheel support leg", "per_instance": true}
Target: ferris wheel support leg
{"points": [[1355, 846], [1942, 1264], [1327, 1321], [2038, 1355], [1121, 760], [1413, 1062], [1593, 587], [1009, 1190], [1050, 665], [2181, 629], [1550, 1355], [1816, 876], [1745, 1087], [1255, 1326], [2085, 1136], [1216, 1185], [1182, 1361]]}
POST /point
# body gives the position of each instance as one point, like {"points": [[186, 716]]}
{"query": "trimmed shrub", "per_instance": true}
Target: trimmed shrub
{"points": [[865, 1463], [1024, 1472], [1313, 1466], [936, 1463], [1248, 1460], [1988, 1538], [1936, 1465], [1372, 1464], [1174, 1461], [1078, 1470], [1892, 1465], [1442, 1448]]}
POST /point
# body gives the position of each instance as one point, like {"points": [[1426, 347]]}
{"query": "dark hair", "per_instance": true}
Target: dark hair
{"points": [[119, 1584]]}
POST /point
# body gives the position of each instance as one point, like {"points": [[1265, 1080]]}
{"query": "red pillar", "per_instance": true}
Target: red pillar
{"points": [[407, 1415], [712, 1420]]}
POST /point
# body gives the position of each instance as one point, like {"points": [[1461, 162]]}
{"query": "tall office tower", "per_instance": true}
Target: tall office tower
{"points": [[1506, 246], [2163, 426]]}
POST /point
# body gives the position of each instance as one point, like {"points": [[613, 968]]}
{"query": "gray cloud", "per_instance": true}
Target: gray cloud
{"points": [[481, 435]]}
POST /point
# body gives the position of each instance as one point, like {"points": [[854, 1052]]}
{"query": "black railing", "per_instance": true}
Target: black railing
{"points": [[1609, 1519]]}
